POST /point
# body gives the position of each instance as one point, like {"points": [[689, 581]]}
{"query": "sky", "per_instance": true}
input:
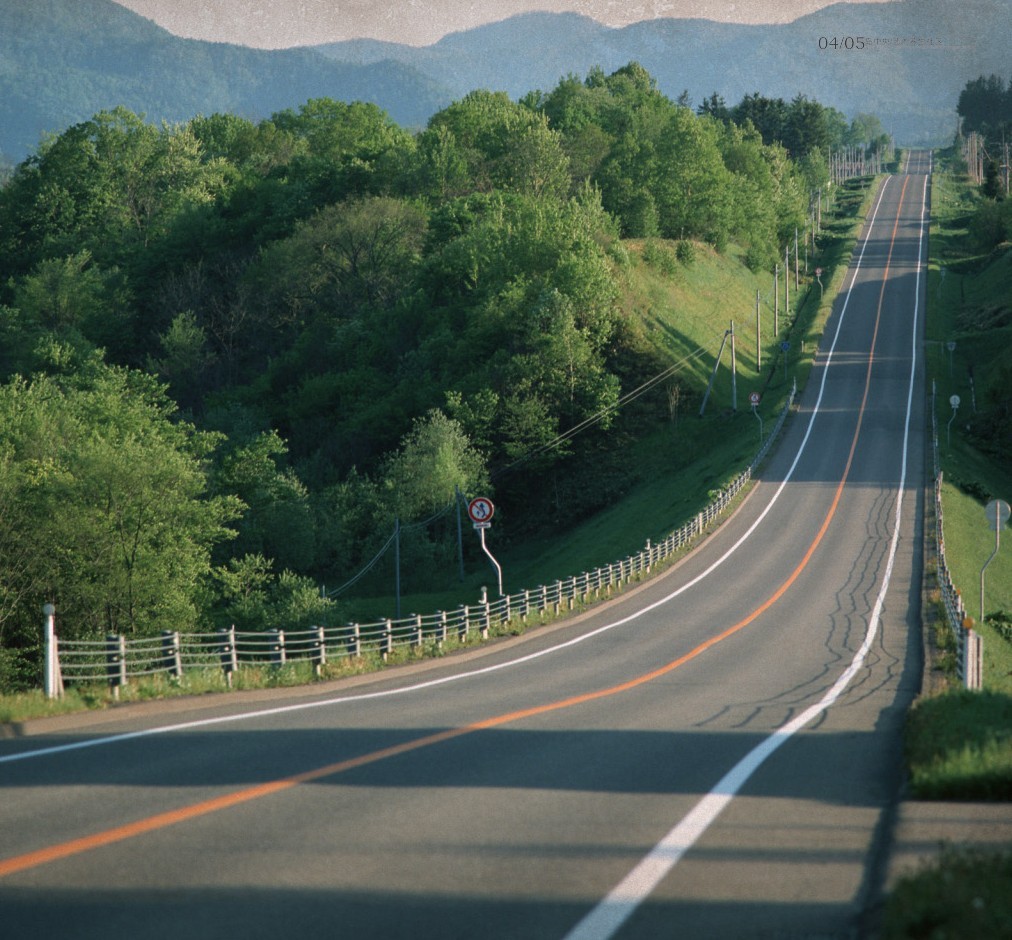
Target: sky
{"points": [[274, 24]]}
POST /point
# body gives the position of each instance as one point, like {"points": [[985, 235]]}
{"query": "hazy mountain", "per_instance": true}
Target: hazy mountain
{"points": [[63, 60], [912, 85]]}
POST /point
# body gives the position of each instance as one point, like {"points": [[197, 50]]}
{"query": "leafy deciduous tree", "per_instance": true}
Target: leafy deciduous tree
{"points": [[114, 525]]}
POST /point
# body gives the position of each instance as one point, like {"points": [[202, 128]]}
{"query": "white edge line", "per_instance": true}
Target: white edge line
{"points": [[604, 920], [284, 709]]}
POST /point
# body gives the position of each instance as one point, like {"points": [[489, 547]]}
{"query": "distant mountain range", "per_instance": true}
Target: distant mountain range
{"points": [[63, 60]]}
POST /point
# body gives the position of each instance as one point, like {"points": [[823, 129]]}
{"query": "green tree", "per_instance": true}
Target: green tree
{"points": [[434, 460], [277, 522], [716, 107], [350, 149], [487, 142], [811, 126], [185, 359], [985, 106], [114, 524], [251, 149], [769, 197], [559, 364], [866, 130], [254, 598], [692, 189], [767, 115], [575, 109], [74, 302], [359, 253]]}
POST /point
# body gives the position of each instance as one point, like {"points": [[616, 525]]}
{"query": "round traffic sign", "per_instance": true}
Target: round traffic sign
{"points": [[785, 345], [480, 509], [754, 398], [954, 401], [818, 272]]}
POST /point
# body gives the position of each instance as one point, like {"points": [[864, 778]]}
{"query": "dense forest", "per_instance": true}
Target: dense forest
{"points": [[232, 352], [985, 106]]}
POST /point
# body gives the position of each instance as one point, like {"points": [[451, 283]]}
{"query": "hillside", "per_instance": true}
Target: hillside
{"points": [[355, 322], [921, 53]]}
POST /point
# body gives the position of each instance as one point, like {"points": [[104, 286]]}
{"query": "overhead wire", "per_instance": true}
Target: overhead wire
{"points": [[603, 413], [544, 448]]}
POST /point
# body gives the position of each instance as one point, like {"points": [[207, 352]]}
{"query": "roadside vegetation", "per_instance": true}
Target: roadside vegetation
{"points": [[958, 743], [964, 752], [964, 896]]}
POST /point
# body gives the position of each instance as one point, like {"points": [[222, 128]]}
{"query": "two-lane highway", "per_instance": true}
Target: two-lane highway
{"points": [[714, 754]]}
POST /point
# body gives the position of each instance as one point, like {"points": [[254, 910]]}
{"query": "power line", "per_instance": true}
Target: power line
{"points": [[550, 445], [365, 570], [602, 414]]}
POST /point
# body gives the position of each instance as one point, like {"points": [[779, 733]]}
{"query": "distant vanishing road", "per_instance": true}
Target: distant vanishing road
{"points": [[714, 754]]}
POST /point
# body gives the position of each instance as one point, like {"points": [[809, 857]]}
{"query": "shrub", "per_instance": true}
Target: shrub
{"points": [[661, 257], [685, 252], [992, 224]]}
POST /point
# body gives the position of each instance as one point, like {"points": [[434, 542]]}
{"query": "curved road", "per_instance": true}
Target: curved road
{"points": [[714, 754]]}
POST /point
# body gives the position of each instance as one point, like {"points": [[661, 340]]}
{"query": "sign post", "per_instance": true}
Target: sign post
{"points": [[997, 512], [954, 401], [754, 399], [481, 510]]}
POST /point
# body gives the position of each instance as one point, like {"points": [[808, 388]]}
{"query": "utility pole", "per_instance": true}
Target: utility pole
{"points": [[795, 257], [713, 375], [734, 373], [758, 337], [776, 299], [460, 535], [787, 282], [397, 565]]}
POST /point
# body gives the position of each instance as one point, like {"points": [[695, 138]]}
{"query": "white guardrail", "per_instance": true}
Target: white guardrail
{"points": [[117, 660], [969, 644]]}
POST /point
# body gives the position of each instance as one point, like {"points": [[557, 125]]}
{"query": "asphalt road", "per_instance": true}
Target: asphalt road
{"points": [[715, 754]]}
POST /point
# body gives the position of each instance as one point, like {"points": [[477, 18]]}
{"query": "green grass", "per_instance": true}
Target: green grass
{"points": [[961, 310], [957, 743], [959, 746], [963, 895], [969, 543]]}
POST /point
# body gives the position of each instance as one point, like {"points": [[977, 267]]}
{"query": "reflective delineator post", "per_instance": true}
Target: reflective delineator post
{"points": [[53, 679]]}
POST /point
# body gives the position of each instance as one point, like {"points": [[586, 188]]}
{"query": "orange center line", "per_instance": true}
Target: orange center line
{"points": [[159, 821]]}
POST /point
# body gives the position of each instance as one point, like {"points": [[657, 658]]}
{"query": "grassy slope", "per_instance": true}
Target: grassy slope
{"points": [[682, 308], [958, 305]]}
